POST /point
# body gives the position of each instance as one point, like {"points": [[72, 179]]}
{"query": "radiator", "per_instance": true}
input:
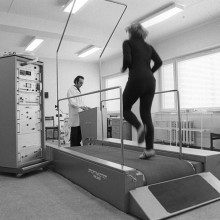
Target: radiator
{"points": [[187, 132]]}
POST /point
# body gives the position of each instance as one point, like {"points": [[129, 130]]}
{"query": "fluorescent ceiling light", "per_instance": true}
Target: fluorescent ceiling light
{"points": [[34, 44], [87, 51], [78, 4], [162, 15]]}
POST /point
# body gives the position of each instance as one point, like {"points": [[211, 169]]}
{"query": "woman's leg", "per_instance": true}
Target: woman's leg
{"points": [[145, 112], [130, 96]]}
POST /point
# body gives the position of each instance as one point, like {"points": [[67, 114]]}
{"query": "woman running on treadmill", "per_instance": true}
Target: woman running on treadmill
{"points": [[141, 84]]}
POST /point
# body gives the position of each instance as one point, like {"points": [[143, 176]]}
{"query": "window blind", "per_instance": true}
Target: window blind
{"points": [[199, 81], [167, 73]]}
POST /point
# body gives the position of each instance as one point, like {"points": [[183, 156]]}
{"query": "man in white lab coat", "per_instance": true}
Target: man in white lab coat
{"points": [[75, 106]]}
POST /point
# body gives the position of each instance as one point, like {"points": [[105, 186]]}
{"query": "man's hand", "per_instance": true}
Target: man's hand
{"points": [[85, 108]]}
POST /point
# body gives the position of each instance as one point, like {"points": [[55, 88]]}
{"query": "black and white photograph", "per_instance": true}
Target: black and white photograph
{"points": [[110, 109]]}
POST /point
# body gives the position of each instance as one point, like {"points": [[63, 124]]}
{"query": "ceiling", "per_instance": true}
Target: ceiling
{"points": [[21, 20]]}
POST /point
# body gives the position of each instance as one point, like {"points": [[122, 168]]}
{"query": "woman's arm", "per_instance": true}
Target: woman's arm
{"points": [[126, 56], [157, 61]]}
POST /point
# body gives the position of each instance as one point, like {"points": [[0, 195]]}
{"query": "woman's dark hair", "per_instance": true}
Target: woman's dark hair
{"points": [[136, 30], [76, 80]]}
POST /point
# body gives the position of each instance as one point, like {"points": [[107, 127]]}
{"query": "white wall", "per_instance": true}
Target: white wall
{"points": [[203, 37], [111, 66], [68, 70]]}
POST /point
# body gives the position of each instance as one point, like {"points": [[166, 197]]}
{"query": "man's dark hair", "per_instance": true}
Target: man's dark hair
{"points": [[76, 80]]}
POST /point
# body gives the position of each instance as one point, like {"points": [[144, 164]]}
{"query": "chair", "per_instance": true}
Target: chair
{"points": [[213, 136], [51, 129]]}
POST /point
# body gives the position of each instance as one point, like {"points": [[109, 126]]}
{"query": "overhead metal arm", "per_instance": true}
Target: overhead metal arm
{"points": [[100, 78], [57, 67]]}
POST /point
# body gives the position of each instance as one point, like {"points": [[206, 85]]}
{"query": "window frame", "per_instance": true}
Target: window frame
{"points": [[105, 78], [168, 62], [176, 86]]}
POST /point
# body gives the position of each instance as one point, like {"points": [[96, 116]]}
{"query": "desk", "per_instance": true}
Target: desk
{"points": [[91, 124]]}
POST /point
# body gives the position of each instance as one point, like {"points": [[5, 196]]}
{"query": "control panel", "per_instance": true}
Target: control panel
{"points": [[29, 112]]}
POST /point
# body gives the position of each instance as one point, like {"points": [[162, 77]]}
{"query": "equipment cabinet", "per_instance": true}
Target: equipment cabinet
{"points": [[22, 142]]}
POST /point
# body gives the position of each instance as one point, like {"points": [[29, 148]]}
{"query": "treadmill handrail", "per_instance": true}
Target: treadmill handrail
{"points": [[89, 93], [178, 112], [57, 73], [179, 118], [121, 113]]}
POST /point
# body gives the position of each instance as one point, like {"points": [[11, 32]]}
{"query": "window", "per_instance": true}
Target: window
{"points": [[119, 80], [198, 81], [167, 75]]}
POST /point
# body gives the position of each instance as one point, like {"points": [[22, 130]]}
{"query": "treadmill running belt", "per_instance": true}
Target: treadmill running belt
{"points": [[156, 169]]}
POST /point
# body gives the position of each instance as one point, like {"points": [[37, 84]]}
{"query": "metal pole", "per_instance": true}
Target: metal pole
{"points": [[121, 127], [58, 130], [173, 90], [115, 25], [179, 119], [89, 93], [179, 124], [100, 77], [58, 110], [100, 86], [104, 100], [57, 70]]}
